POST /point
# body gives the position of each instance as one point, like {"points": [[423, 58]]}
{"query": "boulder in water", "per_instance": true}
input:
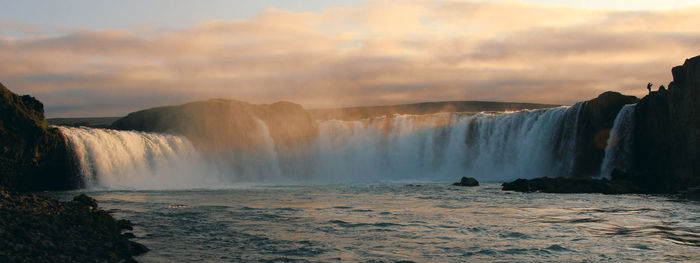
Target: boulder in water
{"points": [[467, 181]]}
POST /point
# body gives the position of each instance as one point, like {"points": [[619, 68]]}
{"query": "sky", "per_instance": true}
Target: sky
{"points": [[108, 58]]}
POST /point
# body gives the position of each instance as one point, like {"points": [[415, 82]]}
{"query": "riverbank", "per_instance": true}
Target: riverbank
{"points": [[35, 228]]}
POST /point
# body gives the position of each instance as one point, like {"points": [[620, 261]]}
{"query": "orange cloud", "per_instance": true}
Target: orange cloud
{"points": [[381, 52]]}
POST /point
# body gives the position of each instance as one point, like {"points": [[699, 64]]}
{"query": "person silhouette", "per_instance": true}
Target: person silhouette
{"points": [[662, 88], [649, 87]]}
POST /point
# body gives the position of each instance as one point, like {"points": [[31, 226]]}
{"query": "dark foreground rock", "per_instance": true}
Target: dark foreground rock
{"points": [[665, 154], [571, 185], [39, 229], [667, 134], [467, 181], [33, 156]]}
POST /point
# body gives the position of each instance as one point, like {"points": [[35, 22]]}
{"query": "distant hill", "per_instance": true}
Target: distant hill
{"points": [[98, 122], [356, 113]]}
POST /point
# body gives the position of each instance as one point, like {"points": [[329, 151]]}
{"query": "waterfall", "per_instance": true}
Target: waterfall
{"points": [[618, 151], [135, 160], [488, 146], [436, 147]]}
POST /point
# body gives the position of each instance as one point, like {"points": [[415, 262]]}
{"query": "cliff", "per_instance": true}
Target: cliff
{"points": [[33, 156], [667, 134], [666, 142]]}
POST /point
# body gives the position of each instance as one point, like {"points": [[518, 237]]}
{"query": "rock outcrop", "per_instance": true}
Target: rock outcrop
{"points": [[595, 121], [33, 156], [467, 181], [40, 229], [666, 148], [571, 185], [667, 134]]}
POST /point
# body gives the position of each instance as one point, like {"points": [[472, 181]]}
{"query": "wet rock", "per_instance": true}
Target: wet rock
{"points": [[467, 181], [137, 248], [84, 201], [39, 229], [125, 224], [571, 185], [692, 193]]}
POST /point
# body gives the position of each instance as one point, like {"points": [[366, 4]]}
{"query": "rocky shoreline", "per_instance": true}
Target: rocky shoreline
{"points": [[34, 228]]}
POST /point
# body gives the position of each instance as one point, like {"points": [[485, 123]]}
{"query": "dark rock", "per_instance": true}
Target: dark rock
{"points": [[666, 147], [33, 156], [595, 121], [667, 134], [125, 224], [39, 229], [570, 185], [84, 201], [692, 193], [467, 181], [137, 248]]}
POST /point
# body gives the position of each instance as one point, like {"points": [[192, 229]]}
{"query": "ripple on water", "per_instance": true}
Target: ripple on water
{"points": [[516, 235], [391, 223]]}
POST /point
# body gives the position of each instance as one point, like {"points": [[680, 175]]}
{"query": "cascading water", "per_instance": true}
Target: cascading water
{"points": [[436, 147], [491, 147], [619, 147], [125, 159]]}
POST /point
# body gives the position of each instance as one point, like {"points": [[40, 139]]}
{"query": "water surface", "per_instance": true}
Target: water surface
{"points": [[404, 222]]}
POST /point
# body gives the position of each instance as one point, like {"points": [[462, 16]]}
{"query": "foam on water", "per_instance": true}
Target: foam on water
{"points": [[137, 160], [436, 147]]}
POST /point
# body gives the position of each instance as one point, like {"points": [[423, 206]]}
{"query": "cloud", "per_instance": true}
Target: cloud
{"points": [[381, 52]]}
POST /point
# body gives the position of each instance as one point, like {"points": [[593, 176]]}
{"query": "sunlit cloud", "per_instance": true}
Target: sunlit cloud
{"points": [[381, 52]]}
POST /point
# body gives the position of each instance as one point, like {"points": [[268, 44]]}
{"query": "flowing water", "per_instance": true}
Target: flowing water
{"points": [[618, 151], [404, 223], [437, 147], [377, 190]]}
